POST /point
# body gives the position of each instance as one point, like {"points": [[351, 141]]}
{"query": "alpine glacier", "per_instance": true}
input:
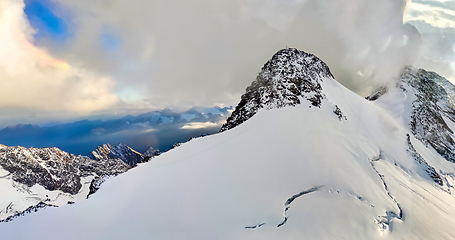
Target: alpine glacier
{"points": [[301, 157]]}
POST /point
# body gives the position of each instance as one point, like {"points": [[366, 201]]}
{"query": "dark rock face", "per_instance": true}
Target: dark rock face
{"points": [[377, 93], [95, 185], [54, 169], [121, 151], [151, 152], [431, 104], [291, 75], [339, 113]]}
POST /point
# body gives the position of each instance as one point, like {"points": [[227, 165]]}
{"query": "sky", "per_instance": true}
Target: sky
{"points": [[68, 60]]}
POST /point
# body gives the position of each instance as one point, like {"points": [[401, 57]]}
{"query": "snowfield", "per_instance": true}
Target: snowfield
{"points": [[339, 179], [341, 168]]}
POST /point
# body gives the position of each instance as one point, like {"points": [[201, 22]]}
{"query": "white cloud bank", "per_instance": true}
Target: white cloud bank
{"points": [[199, 125], [32, 79], [184, 53], [435, 20], [202, 52], [436, 15]]}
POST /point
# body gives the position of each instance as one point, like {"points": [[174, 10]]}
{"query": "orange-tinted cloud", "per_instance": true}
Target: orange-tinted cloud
{"points": [[31, 78]]}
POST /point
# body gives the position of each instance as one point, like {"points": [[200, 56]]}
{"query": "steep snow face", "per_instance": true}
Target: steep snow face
{"points": [[29, 176], [121, 151], [286, 173], [285, 80]]}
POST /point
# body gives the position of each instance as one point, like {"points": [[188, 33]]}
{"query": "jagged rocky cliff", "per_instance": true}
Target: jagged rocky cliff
{"points": [[121, 151], [53, 168], [27, 170], [431, 105]]}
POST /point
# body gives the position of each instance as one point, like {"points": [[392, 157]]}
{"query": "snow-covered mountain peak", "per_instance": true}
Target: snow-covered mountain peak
{"points": [[289, 77], [53, 168], [151, 152], [121, 151], [39, 177], [424, 100]]}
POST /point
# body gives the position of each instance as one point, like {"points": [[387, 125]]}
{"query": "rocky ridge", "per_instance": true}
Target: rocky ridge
{"points": [[121, 151], [34, 178], [55, 169], [429, 109], [433, 101]]}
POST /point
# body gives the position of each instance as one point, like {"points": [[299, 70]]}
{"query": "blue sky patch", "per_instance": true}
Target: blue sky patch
{"points": [[108, 40], [41, 15]]}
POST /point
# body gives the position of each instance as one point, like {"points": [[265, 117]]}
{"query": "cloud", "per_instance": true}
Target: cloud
{"points": [[98, 130], [146, 54], [202, 52], [437, 15], [31, 78], [199, 125], [435, 21]]}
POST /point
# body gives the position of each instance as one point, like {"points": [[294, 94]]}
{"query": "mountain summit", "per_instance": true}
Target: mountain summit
{"points": [[290, 75], [302, 157]]}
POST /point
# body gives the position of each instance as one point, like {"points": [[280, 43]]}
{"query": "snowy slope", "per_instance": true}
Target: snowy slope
{"points": [[293, 172]]}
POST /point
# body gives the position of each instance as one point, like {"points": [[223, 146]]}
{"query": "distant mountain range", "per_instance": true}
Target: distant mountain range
{"points": [[160, 129], [36, 178], [123, 152], [33, 178]]}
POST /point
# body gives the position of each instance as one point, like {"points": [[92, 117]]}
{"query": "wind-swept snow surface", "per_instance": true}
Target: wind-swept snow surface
{"points": [[296, 172]]}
